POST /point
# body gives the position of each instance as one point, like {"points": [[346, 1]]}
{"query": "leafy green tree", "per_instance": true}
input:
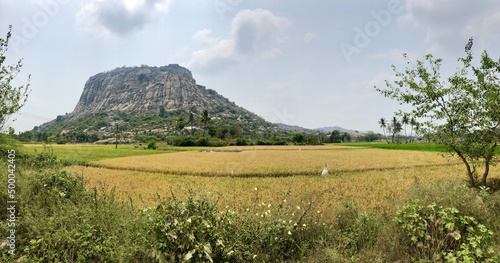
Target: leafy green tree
{"points": [[235, 131], [190, 118], [212, 131], [11, 98], [222, 131], [298, 138], [383, 125], [461, 112], [335, 137], [180, 123], [346, 137]]}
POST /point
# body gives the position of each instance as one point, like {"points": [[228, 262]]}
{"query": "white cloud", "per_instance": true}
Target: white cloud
{"points": [[111, 18], [254, 33], [203, 38], [449, 23]]}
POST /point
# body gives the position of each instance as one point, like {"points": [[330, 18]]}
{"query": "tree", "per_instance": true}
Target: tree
{"points": [[461, 112], [335, 137], [118, 132], [205, 119], [190, 118], [414, 126], [405, 121], [346, 137], [298, 138], [11, 98], [180, 123], [394, 128], [383, 125]]}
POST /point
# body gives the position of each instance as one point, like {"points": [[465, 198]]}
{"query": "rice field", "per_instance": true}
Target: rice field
{"points": [[378, 191], [241, 177], [275, 161]]}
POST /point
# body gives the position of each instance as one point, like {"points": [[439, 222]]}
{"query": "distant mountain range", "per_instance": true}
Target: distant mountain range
{"points": [[297, 128], [332, 128]]}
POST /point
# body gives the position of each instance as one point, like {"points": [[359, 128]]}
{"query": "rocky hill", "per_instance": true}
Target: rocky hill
{"points": [[141, 90], [124, 94]]}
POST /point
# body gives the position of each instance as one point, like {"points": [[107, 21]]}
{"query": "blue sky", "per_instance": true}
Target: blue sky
{"points": [[309, 63]]}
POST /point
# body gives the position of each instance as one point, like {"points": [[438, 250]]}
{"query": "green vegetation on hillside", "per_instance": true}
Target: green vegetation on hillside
{"points": [[431, 147]]}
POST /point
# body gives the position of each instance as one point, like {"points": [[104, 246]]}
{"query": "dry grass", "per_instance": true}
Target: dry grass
{"points": [[275, 161], [377, 179], [377, 191]]}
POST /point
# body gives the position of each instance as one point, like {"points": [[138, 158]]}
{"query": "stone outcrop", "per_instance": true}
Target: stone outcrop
{"points": [[141, 90]]}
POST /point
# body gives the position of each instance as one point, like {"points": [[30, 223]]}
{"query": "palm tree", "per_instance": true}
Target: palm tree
{"points": [[413, 125], [395, 127], [383, 124], [405, 121], [205, 119]]}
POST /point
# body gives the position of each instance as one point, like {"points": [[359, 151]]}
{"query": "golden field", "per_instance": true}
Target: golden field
{"points": [[378, 180], [274, 161]]}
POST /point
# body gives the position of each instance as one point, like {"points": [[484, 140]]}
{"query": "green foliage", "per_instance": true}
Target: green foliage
{"points": [[356, 230], [439, 233], [428, 147], [63, 222], [62, 183], [298, 138], [190, 230], [7, 143], [242, 141], [152, 145], [11, 98], [461, 112]]}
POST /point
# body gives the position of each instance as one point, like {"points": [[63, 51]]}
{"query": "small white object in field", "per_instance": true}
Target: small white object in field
{"points": [[325, 171], [299, 149]]}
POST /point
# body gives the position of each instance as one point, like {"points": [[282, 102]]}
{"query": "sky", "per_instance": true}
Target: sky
{"points": [[308, 63]]}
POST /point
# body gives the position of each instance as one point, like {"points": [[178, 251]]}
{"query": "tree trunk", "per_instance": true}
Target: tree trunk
{"points": [[469, 172], [486, 171], [487, 163]]}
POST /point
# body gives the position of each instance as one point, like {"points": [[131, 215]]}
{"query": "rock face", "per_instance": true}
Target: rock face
{"points": [[141, 90]]}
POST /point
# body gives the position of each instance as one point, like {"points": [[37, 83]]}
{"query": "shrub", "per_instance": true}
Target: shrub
{"points": [[241, 141], [202, 141], [62, 183], [185, 141], [152, 145], [439, 233], [191, 230], [63, 222], [356, 230]]}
